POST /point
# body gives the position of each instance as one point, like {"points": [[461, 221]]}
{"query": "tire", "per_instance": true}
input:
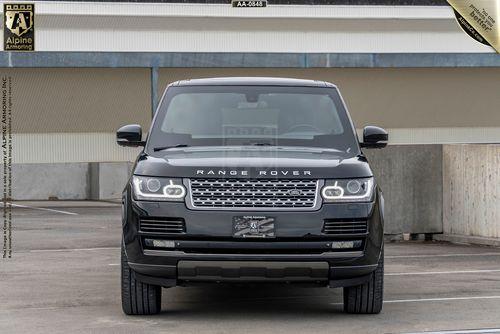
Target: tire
{"points": [[138, 298], [367, 298]]}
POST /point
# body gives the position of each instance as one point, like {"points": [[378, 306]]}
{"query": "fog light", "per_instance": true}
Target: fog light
{"points": [[346, 244], [159, 243]]}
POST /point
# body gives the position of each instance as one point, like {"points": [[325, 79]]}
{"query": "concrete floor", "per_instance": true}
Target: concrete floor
{"points": [[64, 277]]}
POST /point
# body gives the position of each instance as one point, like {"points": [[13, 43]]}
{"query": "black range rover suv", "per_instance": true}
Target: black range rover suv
{"points": [[252, 180]]}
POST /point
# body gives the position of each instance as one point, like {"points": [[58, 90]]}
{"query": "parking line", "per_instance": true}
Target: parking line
{"points": [[424, 300], [417, 300], [444, 272], [71, 249], [465, 331], [44, 209], [439, 255]]}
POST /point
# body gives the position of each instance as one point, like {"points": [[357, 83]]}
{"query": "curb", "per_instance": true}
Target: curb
{"points": [[468, 239]]}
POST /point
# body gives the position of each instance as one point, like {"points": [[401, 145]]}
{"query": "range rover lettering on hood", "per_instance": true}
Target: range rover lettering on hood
{"points": [[282, 172]]}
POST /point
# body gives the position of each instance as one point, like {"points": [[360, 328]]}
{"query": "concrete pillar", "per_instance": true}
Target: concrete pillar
{"points": [[107, 179], [471, 192], [411, 179]]}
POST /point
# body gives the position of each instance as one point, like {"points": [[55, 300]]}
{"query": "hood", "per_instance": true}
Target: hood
{"points": [[253, 162]]}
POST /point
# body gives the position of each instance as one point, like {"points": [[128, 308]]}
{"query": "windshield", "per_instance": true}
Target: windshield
{"points": [[252, 115]]}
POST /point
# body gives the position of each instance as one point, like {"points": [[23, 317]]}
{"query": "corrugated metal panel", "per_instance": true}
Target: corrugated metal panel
{"points": [[101, 147], [101, 100], [69, 147], [61, 8], [77, 100], [220, 28], [443, 135], [394, 98]]}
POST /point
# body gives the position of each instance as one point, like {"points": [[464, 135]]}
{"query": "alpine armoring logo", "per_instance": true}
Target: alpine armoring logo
{"points": [[19, 29]]}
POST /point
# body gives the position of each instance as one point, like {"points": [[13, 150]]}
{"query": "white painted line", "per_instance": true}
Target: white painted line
{"points": [[444, 299], [465, 331], [444, 272], [71, 249], [479, 331], [423, 300], [113, 264], [470, 331], [44, 209], [440, 255]]}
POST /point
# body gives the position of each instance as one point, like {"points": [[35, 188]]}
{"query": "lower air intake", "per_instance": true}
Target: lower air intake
{"points": [[345, 227], [162, 225]]}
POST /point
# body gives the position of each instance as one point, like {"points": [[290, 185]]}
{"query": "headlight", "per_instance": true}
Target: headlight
{"points": [[158, 189], [348, 190]]}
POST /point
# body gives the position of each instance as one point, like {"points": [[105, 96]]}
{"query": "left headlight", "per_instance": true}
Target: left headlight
{"points": [[158, 189], [348, 190]]}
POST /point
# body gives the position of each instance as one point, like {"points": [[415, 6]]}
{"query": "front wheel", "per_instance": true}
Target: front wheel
{"points": [[367, 298], [138, 298]]}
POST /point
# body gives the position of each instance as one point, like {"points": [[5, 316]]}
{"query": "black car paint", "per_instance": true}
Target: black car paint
{"points": [[216, 225], [184, 162], [160, 266]]}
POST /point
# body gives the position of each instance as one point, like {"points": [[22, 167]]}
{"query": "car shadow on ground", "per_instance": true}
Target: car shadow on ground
{"points": [[252, 300]]}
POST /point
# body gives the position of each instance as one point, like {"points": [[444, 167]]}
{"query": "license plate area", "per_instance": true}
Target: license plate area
{"points": [[253, 227]]}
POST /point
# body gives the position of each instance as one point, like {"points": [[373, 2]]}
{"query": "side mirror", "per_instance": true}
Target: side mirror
{"points": [[374, 137], [130, 135]]}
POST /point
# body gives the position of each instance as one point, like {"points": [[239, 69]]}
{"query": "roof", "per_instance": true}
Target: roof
{"points": [[252, 81]]}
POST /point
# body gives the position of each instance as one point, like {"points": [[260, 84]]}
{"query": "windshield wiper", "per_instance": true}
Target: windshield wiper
{"points": [[156, 149]]}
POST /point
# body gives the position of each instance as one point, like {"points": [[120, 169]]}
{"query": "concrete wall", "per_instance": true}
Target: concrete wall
{"points": [[50, 181], [450, 189], [471, 190], [411, 180], [410, 176], [69, 181]]}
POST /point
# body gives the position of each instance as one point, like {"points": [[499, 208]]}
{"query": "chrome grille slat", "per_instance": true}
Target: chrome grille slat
{"points": [[253, 193]]}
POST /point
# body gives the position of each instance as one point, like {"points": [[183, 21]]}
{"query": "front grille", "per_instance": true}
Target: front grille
{"points": [[253, 193], [162, 225], [343, 227]]}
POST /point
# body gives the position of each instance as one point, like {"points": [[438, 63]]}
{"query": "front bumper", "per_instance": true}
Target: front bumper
{"points": [[207, 251]]}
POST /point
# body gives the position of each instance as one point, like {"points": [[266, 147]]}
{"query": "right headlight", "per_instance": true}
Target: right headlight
{"points": [[348, 190], [158, 188]]}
